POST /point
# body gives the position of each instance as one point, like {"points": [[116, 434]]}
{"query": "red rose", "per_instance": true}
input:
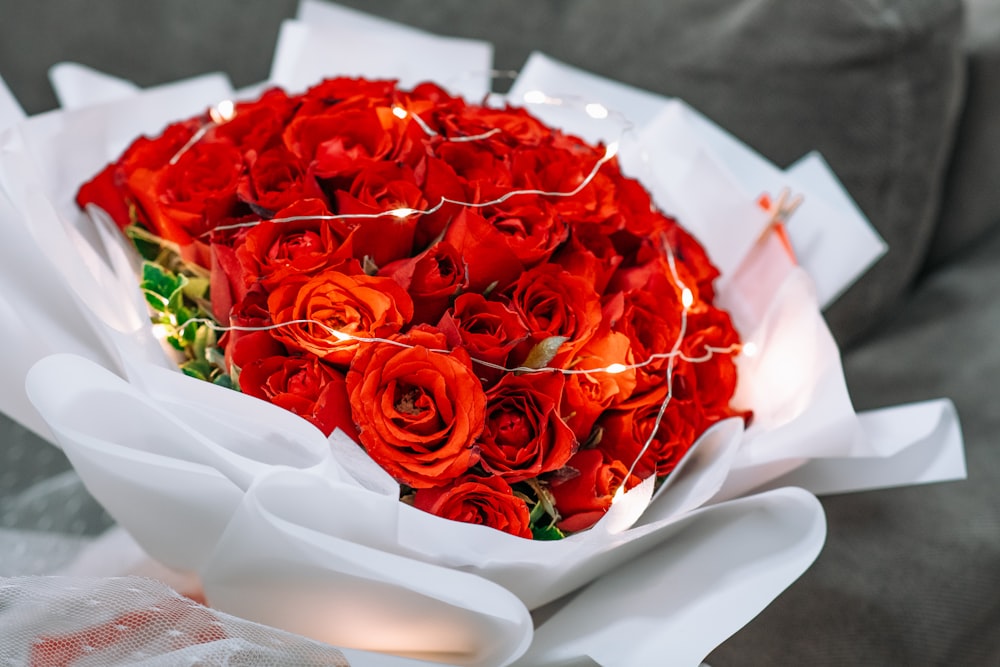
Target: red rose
{"points": [[589, 253], [276, 179], [106, 191], [185, 200], [418, 410], [634, 211], [517, 126], [356, 305], [587, 395], [626, 431], [376, 189], [584, 488], [439, 181], [651, 319], [476, 166], [248, 313], [489, 330], [432, 278], [530, 226], [340, 143], [595, 203], [693, 261], [271, 252], [301, 384], [346, 93], [524, 434], [488, 501], [256, 126], [714, 373], [491, 263], [109, 189], [552, 302]]}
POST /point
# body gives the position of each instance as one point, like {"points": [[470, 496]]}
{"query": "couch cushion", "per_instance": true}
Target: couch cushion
{"points": [[971, 205], [875, 86]]}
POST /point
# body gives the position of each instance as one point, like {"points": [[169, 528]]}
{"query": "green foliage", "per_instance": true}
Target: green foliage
{"points": [[179, 302]]}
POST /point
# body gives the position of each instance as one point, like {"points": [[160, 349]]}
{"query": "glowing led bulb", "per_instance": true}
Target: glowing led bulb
{"points": [[596, 110], [616, 368], [340, 335], [402, 212], [749, 349], [535, 97], [399, 112], [223, 112], [611, 150], [687, 298], [161, 331]]}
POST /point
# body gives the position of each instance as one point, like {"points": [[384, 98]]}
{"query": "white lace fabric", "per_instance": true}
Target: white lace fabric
{"points": [[51, 621]]}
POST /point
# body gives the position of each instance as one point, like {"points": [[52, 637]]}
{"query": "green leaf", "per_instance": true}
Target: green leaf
{"points": [[147, 248], [542, 353], [197, 369], [545, 499], [196, 288], [547, 533], [175, 300], [159, 285], [224, 380]]}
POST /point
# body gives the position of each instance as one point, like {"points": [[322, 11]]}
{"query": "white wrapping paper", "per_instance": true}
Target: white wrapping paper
{"points": [[286, 530]]}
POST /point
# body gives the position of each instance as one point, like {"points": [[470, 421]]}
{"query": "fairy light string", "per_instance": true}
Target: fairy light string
{"points": [[780, 210]]}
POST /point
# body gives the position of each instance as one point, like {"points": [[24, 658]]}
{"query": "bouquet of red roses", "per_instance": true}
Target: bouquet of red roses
{"points": [[503, 320], [510, 329]]}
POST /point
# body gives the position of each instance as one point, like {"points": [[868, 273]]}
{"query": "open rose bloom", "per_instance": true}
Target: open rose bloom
{"points": [[288, 528]]}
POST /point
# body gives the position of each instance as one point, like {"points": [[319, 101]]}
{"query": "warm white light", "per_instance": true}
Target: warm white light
{"points": [[749, 349], [223, 112], [340, 335], [596, 110], [399, 112], [687, 298], [402, 212], [611, 150], [616, 368], [535, 97], [161, 331]]}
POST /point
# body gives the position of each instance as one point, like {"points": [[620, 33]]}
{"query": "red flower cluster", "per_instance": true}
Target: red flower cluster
{"points": [[286, 205]]}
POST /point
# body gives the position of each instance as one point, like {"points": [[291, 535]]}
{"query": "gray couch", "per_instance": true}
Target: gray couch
{"points": [[903, 99]]}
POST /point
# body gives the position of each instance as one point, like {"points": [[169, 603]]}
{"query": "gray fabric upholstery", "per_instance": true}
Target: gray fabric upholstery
{"points": [[908, 576], [971, 207]]}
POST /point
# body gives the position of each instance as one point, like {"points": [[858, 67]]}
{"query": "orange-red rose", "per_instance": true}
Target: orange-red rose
{"points": [[488, 501], [525, 435], [584, 489], [419, 411], [312, 311]]}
